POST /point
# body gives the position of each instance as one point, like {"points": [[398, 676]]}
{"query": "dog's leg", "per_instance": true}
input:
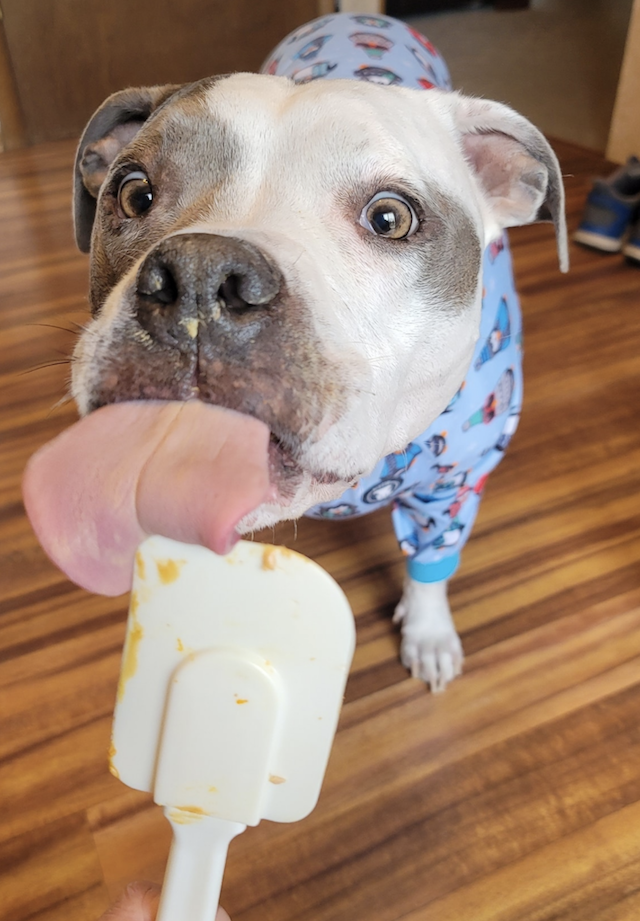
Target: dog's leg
{"points": [[430, 647]]}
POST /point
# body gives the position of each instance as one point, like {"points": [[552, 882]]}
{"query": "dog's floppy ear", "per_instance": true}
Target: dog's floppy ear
{"points": [[111, 128], [518, 172]]}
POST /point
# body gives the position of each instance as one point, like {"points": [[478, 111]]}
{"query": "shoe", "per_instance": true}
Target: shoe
{"points": [[612, 205], [631, 248]]}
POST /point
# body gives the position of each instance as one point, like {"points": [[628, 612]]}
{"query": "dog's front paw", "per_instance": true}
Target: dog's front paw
{"points": [[430, 647]]}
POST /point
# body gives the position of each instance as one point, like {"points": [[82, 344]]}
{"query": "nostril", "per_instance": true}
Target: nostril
{"points": [[228, 293], [156, 283]]}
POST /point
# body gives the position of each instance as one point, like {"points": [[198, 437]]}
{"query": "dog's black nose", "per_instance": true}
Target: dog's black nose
{"points": [[191, 278], [156, 284]]}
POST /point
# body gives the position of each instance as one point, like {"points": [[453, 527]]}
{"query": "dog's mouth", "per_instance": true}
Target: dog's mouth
{"points": [[271, 384], [289, 468], [287, 472]]}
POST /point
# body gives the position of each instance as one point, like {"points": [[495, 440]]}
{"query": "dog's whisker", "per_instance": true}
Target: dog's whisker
{"points": [[67, 398], [70, 358], [47, 364], [64, 329], [370, 393]]}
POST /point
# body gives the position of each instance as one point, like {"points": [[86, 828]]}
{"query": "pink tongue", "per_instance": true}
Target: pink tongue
{"points": [[183, 470]]}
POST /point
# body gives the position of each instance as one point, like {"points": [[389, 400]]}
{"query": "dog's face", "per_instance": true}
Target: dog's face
{"points": [[309, 255]]}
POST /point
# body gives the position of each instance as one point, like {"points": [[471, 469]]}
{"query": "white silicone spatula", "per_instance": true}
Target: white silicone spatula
{"points": [[232, 679]]}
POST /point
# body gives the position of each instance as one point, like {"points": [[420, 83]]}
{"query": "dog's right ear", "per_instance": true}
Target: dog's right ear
{"points": [[111, 128], [516, 170]]}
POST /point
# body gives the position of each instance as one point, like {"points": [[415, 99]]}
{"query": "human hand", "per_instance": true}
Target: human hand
{"points": [[139, 902]]}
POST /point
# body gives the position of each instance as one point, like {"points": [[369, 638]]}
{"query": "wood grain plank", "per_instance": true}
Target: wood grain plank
{"points": [[50, 872]]}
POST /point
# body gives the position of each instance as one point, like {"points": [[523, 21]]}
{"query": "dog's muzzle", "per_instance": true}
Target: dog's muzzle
{"points": [[210, 317], [192, 278]]}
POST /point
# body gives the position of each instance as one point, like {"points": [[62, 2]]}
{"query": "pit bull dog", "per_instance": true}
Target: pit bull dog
{"points": [[328, 256]]}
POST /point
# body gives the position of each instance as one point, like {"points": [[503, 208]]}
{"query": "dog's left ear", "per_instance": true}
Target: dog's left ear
{"points": [[517, 171], [111, 128]]}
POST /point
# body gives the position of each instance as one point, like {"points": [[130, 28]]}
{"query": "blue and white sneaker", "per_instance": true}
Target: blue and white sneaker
{"points": [[631, 248], [613, 204]]}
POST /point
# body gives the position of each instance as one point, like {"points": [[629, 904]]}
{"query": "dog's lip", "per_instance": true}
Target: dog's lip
{"points": [[287, 469], [286, 456]]}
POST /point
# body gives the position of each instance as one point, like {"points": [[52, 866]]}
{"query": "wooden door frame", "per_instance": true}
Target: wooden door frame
{"points": [[12, 127], [624, 133]]}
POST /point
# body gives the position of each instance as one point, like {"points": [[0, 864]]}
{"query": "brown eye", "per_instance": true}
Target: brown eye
{"points": [[135, 195], [389, 215]]}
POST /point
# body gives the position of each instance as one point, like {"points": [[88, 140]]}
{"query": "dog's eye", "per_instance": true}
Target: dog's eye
{"points": [[135, 195], [389, 215]]}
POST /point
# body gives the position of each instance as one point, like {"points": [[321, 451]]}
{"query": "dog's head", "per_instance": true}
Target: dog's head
{"points": [[309, 255]]}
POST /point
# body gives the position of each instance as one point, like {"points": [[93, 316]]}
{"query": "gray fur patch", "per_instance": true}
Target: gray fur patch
{"points": [[167, 149]]}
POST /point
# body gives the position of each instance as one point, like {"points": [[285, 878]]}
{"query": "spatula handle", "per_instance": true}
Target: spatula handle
{"points": [[193, 877]]}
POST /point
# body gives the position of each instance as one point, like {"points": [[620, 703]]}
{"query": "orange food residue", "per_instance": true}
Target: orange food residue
{"points": [[272, 555], [273, 778], [112, 767], [169, 570], [130, 653], [269, 558], [140, 567], [242, 700], [180, 645], [185, 815]]}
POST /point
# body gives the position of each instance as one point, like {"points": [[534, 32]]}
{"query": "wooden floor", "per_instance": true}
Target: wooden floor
{"points": [[515, 795]]}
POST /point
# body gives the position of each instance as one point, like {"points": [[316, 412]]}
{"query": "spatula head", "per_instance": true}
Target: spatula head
{"points": [[232, 679]]}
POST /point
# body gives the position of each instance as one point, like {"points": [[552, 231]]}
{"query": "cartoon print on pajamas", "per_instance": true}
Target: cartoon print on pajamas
{"points": [[499, 336], [450, 537], [426, 65], [437, 444], [313, 72], [508, 431], [447, 485], [272, 67], [343, 510], [497, 403], [383, 491], [390, 482], [377, 75], [312, 48], [307, 29], [411, 530], [372, 44], [463, 494], [495, 248], [372, 22], [434, 499], [400, 461], [424, 41]]}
